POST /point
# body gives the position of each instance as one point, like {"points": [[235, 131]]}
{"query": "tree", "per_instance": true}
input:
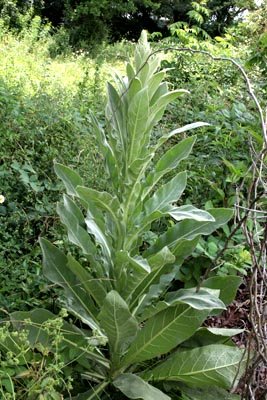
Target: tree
{"points": [[224, 13], [156, 16], [91, 21]]}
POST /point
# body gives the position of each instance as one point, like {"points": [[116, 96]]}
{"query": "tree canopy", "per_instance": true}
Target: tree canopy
{"points": [[94, 20]]}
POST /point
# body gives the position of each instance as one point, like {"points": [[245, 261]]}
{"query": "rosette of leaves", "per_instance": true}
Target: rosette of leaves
{"points": [[118, 287]]}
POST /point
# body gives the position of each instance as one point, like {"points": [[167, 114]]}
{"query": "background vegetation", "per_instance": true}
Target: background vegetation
{"points": [[55, 60]]}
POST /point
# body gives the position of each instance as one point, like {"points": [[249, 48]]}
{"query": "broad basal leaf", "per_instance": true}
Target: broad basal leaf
{"points": [[56, 270], [163, 332], [118, 323], [225, 332], [134, 387], [213, 365], [204, 299]]}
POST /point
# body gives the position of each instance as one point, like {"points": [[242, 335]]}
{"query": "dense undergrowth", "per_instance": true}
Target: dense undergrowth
{"points": [[44, 109], [44, 117]]}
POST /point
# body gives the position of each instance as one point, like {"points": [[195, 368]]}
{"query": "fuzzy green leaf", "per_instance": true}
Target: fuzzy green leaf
{"points": [[70, 178], [134, 387], [118, 323], [183, 129], [163, 332], [154, 83], [169, 161], [114, 114], [162, 102], [56, 270], [106, 148], [102, 200], [159, 102], [156, 283], [137, 122], [133, 269], [227, 285], [166, 194], [206, 394], [73, 219], [203, 299], [96, 229], [189, 229], [95, 287], [207, 336], [213, 365], [158, 263], [190, 212], [149, 304], [163, 257]]}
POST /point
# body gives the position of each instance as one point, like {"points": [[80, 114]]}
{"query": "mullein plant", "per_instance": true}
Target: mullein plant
{"points": [[119, 287]]}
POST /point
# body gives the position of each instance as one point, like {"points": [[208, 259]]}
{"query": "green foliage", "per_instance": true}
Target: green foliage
{"points": [[221, 161], [216, 173], [14, 15], [35, 361], [254, 31], [86, 23], [117, 285], [44, 104], [189, 32]]}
